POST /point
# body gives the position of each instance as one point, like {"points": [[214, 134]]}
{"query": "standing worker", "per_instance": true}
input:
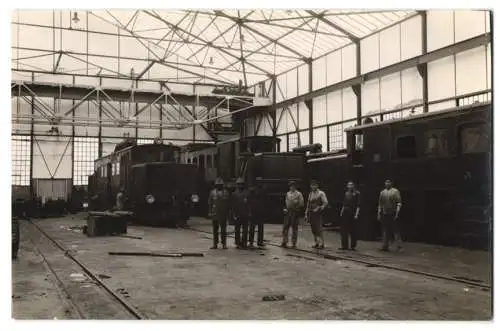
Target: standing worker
{"points": [[389, 206], [316, 203], [240, 213], [218, 204], [120, 199], [349, 217], [294, 202], [257, 216]]}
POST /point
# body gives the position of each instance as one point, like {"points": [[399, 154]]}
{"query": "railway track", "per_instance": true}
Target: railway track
{"points": [[119, 299], [371, 263]]}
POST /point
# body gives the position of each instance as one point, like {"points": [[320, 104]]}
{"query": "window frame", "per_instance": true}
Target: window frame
{"points": [[468, 125], [396, 146]]}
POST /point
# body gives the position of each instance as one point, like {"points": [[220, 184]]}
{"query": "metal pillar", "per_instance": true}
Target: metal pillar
{"points": [[100, 120], [309, 103], [273, 112], [422, 68], [32, 134], [357, 88]]}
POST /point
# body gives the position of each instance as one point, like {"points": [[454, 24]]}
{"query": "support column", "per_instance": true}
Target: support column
{"points": [[422, 68], [357, 88], [309, 103], [73, 141], [273, 113], [32, 134], [194, 115], [100, 119]]}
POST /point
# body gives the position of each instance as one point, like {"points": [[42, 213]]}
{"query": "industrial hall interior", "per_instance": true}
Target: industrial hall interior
{"points": [[251, 164]]}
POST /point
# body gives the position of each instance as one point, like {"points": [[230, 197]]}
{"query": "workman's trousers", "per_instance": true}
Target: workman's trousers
{"points": [[241, 232], [291, 220], [390, 227], [222, 224], [256, 222], [348, 227], [316, 227]]}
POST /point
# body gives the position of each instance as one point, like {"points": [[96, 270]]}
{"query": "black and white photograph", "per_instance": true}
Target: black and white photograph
{"points": [[250, 164]]}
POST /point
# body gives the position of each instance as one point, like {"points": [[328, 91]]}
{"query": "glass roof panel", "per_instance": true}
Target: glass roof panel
{"points": [[217, 46]]}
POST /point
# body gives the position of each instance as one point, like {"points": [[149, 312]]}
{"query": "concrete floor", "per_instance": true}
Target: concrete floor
{"points": [[230, 284]]}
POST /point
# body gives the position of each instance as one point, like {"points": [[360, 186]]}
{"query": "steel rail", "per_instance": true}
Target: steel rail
{"points": [[131, 309], [331, 256]]}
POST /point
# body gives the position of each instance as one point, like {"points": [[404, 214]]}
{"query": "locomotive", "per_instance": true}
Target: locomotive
{"points": [[159, 190], [440, 161], [255, 160]]}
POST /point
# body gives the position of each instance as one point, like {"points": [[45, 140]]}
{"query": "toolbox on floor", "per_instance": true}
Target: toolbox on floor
{"points": [[107, 223]]}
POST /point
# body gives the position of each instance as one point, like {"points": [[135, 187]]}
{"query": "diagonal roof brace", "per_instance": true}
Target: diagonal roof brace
{"points": [[241, 21], [321, 17], [143, 72]]}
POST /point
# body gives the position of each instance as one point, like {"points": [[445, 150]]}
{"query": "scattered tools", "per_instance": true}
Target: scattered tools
{"points": [[128, 236], [157, 254]]}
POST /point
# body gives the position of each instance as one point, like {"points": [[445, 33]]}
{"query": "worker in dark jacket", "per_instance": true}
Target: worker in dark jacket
{"points": [[389, 206], [256, 216], [316, 203], [294, 202], [240, 213], [349, 217], [218, 204]]}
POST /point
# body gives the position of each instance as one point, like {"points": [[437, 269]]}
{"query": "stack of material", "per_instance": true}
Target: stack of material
{"points": [[104, 223]]}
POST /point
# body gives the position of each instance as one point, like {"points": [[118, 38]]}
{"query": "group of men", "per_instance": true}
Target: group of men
{"points": [[243, 207]]}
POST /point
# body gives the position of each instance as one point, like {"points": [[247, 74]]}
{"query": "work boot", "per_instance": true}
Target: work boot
{"points": [[284, 245], [213, 247], [384, 249], [294, 246], [224, 246]]}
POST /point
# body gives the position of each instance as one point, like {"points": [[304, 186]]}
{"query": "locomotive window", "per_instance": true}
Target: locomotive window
{"points": [[436, 144], [474, 139], [406, 147], [195, 160], [209, 161], [118, 168]]}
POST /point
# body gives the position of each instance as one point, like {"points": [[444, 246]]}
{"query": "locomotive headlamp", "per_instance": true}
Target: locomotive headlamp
{"points": [[150, 199], [195, 198]]}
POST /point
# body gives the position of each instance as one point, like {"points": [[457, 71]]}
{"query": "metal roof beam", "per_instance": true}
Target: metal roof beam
{"points": [[333, 25], [158, 17], [241, 23], [143, 72]]}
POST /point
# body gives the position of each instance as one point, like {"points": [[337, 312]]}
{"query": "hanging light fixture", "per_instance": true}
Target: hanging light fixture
{"points": [[75, 18], [211, 61]]}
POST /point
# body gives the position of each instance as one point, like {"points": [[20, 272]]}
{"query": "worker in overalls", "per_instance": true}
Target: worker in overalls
{"points": [[349, 215], [240, 214], [294, 202], [218, 204], [257, 216], [316, 203]]}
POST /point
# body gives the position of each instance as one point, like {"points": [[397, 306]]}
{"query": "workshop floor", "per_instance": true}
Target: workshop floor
{"points": [[230, 284]]}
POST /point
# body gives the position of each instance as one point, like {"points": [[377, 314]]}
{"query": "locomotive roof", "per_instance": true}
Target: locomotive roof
{"points": [[113, 154], [420, 116]]}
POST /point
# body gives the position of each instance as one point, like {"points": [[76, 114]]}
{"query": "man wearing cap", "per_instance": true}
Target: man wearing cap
{"points": [[389, 207], [240, 214], [218, 206], [257, 215], [294, 202], [316, 203]]}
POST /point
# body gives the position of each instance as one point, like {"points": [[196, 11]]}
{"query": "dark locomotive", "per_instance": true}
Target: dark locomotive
{"points": [[255, 160], [159, 190], [440, 162]]}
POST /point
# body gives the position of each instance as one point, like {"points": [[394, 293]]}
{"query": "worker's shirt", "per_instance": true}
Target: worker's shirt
{"points": [[351, 201], [317, 199], [388, 200], [219, 204], [294, 200], [240, 203], [120, 201]]}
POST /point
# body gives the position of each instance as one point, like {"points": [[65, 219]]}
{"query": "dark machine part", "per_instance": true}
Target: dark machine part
{"points": [[313, 149], [16, 236]]}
